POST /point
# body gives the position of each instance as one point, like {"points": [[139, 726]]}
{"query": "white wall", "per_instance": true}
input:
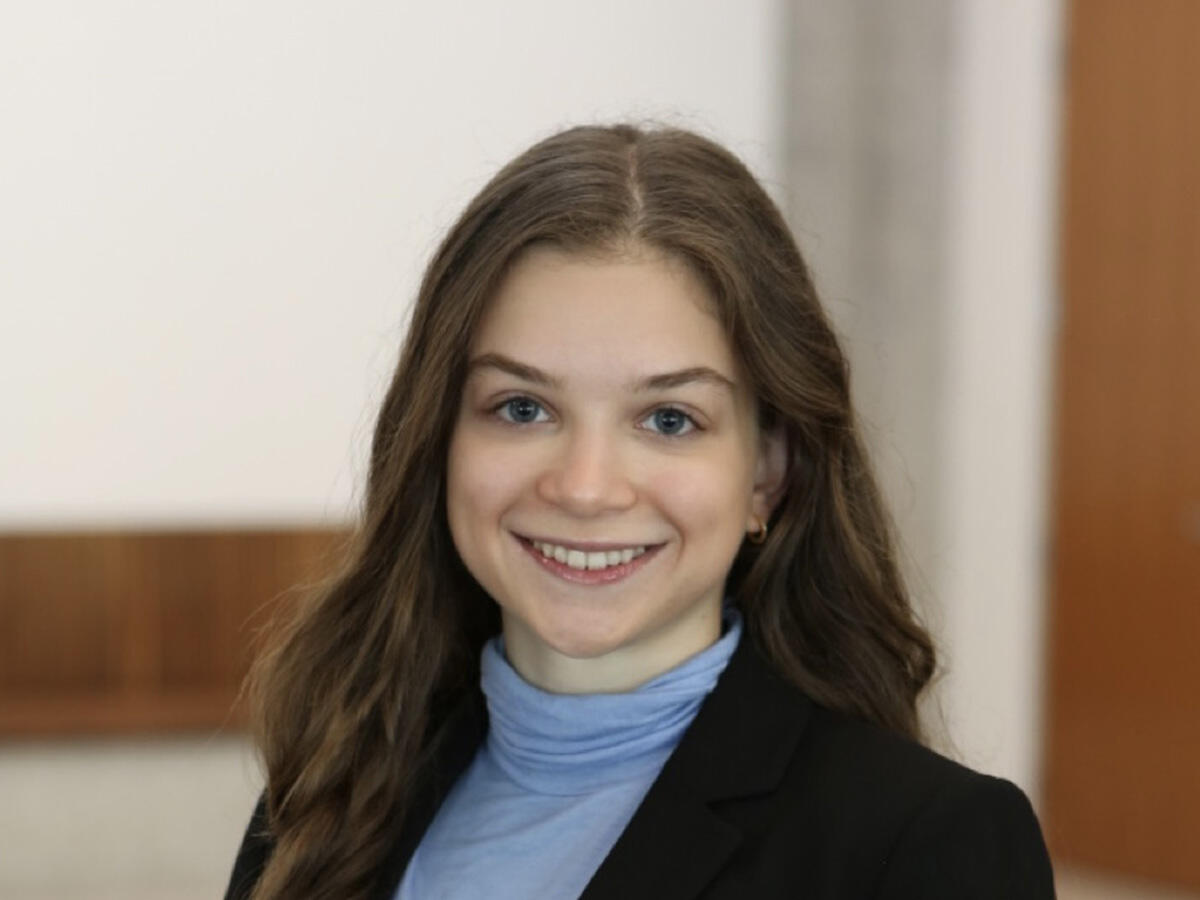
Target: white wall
{"points": [[213, 217], [123, 819], [921, 148], [1000, 321]]}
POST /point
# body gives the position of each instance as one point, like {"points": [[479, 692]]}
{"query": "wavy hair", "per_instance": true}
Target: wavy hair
{"points": [[352, 690]]}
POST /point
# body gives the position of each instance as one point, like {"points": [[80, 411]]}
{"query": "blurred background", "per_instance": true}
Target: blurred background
{"points": [[212, 222]]}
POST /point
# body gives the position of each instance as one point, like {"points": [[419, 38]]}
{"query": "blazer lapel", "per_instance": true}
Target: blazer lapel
{"points": [[739, 745]]}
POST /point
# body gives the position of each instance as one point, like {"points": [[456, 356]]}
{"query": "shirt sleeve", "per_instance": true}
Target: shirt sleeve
{"points": [[974, 839]]}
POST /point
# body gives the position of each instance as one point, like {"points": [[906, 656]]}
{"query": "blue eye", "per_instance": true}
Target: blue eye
{"points": [[670, 422], [521, 410]]}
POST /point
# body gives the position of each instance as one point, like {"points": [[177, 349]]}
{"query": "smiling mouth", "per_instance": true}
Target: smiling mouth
{"points": [[584, 559], [598, 564]]}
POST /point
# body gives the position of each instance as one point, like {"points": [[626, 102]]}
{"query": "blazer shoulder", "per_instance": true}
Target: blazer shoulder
{"points": [[892, 766], [974, 837], [253, 854], [945, 829]]}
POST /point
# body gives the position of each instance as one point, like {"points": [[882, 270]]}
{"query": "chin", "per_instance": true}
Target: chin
{"points": [[576, 630], [579, 643]]}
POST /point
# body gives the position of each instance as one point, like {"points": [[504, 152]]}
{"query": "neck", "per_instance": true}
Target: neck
{"points": [[616, 671]]}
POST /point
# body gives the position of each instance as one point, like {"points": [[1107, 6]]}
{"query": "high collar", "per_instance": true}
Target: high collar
{"points": [[568, 744]]}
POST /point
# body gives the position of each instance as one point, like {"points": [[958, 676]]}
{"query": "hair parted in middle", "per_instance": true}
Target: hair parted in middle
{"points": [[351, 694]]}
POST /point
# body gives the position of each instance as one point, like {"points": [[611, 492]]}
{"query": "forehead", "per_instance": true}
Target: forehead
{"points": [[629, 314]]}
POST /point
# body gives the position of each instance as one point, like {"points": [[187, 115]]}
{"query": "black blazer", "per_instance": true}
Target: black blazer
{"points": [[769, 795]]}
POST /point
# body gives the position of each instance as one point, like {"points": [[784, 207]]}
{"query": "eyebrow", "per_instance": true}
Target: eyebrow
{"points": [[662, 381]]}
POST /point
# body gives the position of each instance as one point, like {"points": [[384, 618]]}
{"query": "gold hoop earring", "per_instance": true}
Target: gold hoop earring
{"points": [[759, 534]]}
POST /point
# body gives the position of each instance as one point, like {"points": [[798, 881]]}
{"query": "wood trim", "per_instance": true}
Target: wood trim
{"points": [[1122, 778], [122, 632], [74, 713]]}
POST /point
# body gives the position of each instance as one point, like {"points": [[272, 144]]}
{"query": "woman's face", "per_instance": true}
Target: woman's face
{"points": [[605, 467]]}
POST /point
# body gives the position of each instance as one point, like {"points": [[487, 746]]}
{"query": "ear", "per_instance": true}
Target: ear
{"points": [[770, 475]]}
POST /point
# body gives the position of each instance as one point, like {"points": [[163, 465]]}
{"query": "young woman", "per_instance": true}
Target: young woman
{"points": [[622, 617]]}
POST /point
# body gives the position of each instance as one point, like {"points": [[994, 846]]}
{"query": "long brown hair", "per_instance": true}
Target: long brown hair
{"points": [[351, 691]]}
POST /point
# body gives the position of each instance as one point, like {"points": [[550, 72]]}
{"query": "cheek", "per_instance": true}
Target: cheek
{"points": [[706, 498], [480, 485]]}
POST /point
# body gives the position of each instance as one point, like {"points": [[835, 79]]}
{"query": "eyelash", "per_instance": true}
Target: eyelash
{"points": [[500, 409]]}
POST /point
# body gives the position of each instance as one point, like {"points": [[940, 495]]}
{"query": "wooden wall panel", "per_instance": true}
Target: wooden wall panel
{"points": [[1122, 783], [139, 631]]}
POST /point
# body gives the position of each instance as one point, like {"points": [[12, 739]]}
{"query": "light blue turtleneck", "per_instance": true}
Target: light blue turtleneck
{"points": [[556, 781]]}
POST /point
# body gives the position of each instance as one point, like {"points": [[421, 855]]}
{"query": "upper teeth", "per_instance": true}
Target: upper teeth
{"points": [[578, 559]]}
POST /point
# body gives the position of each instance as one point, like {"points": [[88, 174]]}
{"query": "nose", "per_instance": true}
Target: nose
{"points": [[586, 476]]}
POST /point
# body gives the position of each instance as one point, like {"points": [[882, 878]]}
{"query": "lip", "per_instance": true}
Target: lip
{"points": [[607, 575]]}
